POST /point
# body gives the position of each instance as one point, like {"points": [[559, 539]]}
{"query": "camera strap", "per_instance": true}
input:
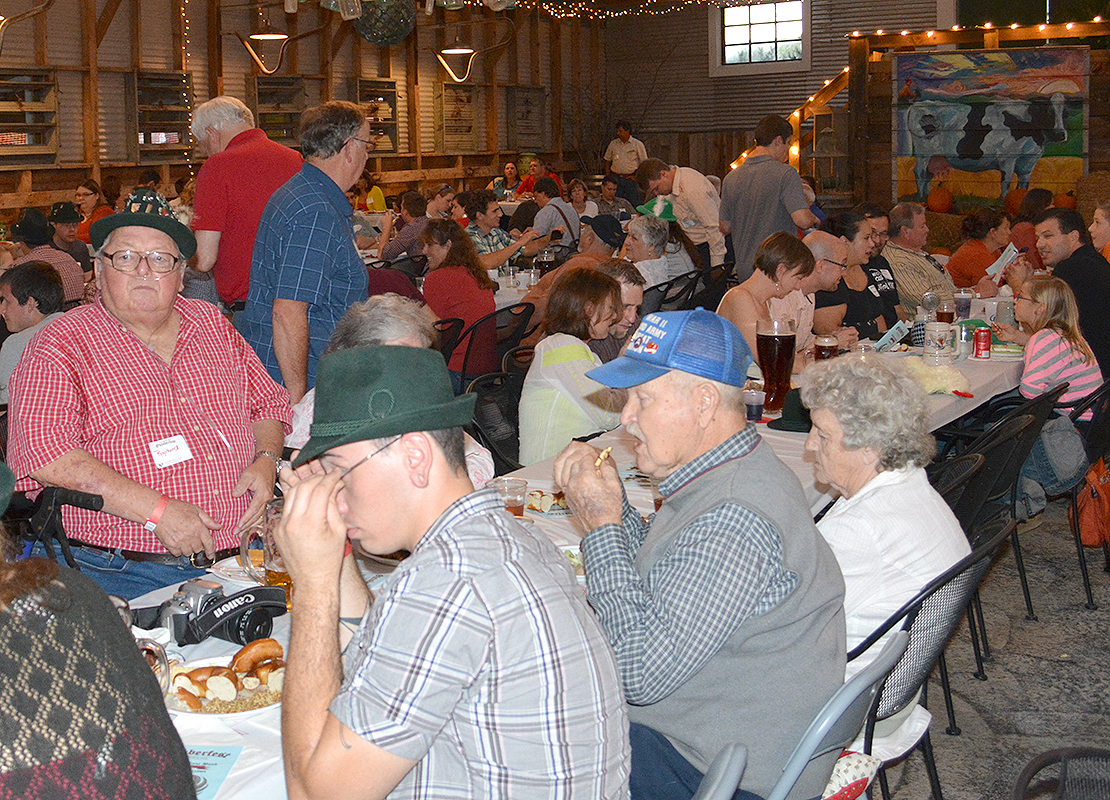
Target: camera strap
{"points": [[270, 598]]}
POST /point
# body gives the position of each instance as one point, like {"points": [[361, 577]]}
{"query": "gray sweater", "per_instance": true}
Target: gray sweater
{"points": [[770, 678]]}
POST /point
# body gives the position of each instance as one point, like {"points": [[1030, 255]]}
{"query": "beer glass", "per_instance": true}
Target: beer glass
{"points": [[774, 341], [274, 572], [825, 347]]}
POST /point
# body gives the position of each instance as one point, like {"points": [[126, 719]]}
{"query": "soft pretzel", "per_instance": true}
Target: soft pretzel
{"points": [[255, 653]]}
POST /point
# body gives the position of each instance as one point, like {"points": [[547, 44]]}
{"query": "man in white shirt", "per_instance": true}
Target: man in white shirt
{"points": [[30, 299], [623, 155], [695, 201]]}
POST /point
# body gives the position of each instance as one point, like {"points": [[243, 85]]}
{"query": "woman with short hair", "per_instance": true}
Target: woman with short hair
{"points": [[559, 402], [890, 530], [580, 199], [780, 264]]}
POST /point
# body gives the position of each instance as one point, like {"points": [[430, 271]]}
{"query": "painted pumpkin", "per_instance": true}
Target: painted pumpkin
{"points": [[940, 200]]}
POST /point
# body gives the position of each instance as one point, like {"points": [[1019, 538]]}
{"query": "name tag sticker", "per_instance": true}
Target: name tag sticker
{"points": [[170, 451]]}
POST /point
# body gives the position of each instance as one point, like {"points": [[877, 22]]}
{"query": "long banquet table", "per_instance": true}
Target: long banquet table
{"points": [[258, 772]]}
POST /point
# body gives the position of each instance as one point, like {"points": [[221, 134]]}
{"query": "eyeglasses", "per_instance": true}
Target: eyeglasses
{"points": [[83, 195], [364, 141], [1020, 296], [830, 261], [366, 458], [128, 260]]}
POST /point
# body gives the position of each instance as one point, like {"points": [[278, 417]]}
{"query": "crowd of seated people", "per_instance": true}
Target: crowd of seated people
{"points": [[120, 385]]}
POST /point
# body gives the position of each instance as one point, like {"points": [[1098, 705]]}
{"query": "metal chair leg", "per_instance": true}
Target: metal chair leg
{"points": [[1106, 556], [1073, 521], [1029, 615], [931, 766], [975, 627], [953, 729], [883, 784], [987, 655]]}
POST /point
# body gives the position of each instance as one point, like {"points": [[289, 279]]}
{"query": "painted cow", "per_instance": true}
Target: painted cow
{"points": [[1007, 135]]}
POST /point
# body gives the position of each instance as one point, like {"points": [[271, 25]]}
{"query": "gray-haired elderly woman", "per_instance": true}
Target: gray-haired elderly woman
{"points": [[890, 530], [646, 247]]}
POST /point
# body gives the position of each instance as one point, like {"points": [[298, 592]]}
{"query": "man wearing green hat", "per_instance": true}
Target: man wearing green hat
{"points": [[478, 670], [153, 402]]}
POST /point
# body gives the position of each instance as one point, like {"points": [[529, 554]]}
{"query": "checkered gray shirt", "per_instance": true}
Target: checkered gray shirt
{"points": [[481, 660], [723, 568]]}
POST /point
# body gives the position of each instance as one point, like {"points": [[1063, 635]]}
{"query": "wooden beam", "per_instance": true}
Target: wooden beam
{"points": [[215, 30], [136, 34], [534, 51], [104, 21], [557, 84], [41, 52], [90, 87], [177, 35], [412, 89], [859, 53], [492, 117]]}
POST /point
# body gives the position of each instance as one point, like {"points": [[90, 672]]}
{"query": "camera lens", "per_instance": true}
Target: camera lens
{"points": [[252, 624]]}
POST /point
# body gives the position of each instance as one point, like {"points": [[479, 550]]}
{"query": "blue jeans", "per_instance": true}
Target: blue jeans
{"points": [[129, 579], [659, 772]]}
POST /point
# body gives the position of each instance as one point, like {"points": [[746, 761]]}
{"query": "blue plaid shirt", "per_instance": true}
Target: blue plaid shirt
{"points": [[305, 251], [722, 569]]}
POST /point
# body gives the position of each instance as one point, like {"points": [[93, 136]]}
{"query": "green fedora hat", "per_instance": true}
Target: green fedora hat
{"points": [[373, 392], [145, 208], [795, 416]]}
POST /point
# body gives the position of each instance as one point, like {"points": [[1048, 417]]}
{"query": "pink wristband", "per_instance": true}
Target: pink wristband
{"points": [[156, 514]]}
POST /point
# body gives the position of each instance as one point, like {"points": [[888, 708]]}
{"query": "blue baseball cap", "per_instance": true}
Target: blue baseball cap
{"points": [[699, 342]]}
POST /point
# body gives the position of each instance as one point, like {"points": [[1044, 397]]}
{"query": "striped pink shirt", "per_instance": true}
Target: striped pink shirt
{"points": [[1049, 361]]}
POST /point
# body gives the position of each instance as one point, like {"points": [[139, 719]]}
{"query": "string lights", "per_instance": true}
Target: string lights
{"points": [[985, 26]]}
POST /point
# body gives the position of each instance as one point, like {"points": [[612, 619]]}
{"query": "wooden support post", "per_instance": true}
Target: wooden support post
{"points": [[859, 53], [412, 91], [557, 85], [990, 39], [492, 118], [177, 36], [215, 49], [90, 95], [796, 138]]}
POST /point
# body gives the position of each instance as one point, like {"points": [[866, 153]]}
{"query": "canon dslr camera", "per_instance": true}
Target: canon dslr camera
{"points": [[199, 609]]}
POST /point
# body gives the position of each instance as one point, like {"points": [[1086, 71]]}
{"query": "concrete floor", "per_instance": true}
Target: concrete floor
{"points": [[1049, 683]]}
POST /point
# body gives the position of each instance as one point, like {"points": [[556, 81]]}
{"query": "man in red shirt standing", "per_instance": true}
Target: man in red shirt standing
{"points": [[233, 186]]}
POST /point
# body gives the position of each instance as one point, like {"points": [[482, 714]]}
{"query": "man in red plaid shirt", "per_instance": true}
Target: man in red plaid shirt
{"points": [[153, 402]]}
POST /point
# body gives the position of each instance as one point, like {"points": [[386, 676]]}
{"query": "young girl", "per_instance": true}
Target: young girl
{"points": [[1055, 351]]}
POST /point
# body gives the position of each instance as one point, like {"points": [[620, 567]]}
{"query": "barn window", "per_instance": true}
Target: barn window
{"points": [[759, 38]]}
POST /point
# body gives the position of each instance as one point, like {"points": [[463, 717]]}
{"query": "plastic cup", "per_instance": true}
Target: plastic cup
{"points": [[963, 299], [754, 400], [513, 493]]}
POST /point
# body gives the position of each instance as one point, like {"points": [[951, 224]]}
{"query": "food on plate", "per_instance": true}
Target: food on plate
{"points": [[575, 558], [901, 347], [545, 501], [253, 679], [936, 380], [255, 653]]}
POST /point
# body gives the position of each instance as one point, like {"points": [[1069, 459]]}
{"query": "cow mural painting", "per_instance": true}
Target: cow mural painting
{"points": [[984, 122]]}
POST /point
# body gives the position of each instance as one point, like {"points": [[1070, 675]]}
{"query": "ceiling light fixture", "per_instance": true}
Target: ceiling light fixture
{"points": [[457, 48]]}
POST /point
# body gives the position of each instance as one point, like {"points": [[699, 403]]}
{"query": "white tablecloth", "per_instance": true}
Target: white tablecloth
{"points": [[258, 773]]}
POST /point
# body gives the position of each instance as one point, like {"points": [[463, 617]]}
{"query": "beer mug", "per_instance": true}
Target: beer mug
{"points": [[274, 572]]}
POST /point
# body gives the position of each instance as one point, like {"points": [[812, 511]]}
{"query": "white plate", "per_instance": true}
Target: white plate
{"points": [[218, 661], [231, 570]]}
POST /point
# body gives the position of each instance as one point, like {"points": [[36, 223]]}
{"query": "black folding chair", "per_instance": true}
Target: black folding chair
{"points": [[509, 325], [670, 294], [496, 417], [448, 332], [1096, 442], [930, 618], [518, 360], [951, 477], [1082, 773]]}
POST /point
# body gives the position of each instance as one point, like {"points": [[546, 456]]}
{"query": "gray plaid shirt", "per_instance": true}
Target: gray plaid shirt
{"points": [[481, 660], [722, 569]]}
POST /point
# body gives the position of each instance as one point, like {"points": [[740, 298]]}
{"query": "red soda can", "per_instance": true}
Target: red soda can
{"points": [[982, 340]]}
